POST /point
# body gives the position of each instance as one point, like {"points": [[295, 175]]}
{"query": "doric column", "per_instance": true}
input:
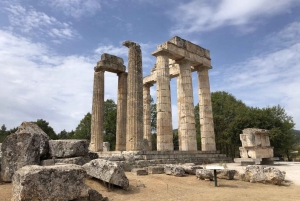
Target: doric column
{"points": [[188, 141], [121, 112], [147, 114], [163, 103], [134, 125], [205, 111], [97, 112], [178, 111]]}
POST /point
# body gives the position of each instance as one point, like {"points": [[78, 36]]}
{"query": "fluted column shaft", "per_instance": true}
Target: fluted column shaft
{"points": [[178, 111], [147, 114], [121, 112], [97, 112], [134, 125], [163, 103], [188, 141], [205, 112]]}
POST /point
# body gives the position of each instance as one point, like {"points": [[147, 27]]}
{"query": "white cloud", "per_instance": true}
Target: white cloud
{"points": [[76, 8], [38, 23], [37, 83], [271, 78], [207, 15]]}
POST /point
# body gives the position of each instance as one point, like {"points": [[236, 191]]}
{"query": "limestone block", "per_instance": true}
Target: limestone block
{"points": [[226, 174], [62, 182], [255, 137], [89, 194], [256, 152], [155, 170], [107, 171], [174, 170], [110, 63], [139, 171], [261, 174], [80, 160], [43, 139], [191, 168], [19, 150], [204, 174], [106, 146], [68, 148]]}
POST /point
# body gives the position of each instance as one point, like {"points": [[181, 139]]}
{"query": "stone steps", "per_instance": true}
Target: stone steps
{"points": [[139, 159]]}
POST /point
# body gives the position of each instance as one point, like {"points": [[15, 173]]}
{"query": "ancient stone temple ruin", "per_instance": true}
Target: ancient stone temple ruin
{"points": [[176, 58]]}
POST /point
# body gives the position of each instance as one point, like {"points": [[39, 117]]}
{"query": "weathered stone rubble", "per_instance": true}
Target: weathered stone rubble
{"points": [[61, 182], [0, 150], [260, 174], [155, 170], [175, 170], [25, 147], [190, 168], [204, 174], [80, 160], [108, 171], [226, 174], [139, 171], [68, 148]]}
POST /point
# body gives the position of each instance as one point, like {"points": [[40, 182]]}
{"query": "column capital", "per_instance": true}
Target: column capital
{"points": [[202, 67], [162, 52], [98, 69], [183, 60], [148, 85]]}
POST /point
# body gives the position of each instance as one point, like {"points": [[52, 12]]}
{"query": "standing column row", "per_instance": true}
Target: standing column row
{"points": [[186, 123], [97, 112], [163, 104], [205, 111]]}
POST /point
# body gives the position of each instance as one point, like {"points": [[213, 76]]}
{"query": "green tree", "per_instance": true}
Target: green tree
{"points": [[44, 125], [83, 130], [3, 133], [153, 115], [110, 121]]}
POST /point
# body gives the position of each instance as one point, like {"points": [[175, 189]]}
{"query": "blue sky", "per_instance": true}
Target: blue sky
{"points": [[48, 50]]}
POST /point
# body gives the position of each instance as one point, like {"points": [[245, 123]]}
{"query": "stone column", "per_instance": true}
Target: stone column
{"points": [[147, 114], [97, 112], [208, 142], [188, 141], [178, 111], [163, 103], [121, 112], [134, 125]]}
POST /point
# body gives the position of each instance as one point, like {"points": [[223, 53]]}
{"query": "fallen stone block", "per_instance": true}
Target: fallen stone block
{"points": [[155, 170], [139, 171], [42, 139], [204, 174], [21, 149], [108, 171], [68, 148], [191, 168], [89, 194], [174, 170], [226, 174], [81, 160], [61, 182], [260, 174]]}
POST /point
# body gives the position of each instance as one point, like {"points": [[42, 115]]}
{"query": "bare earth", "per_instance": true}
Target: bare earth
{"points": [[164, 187]]}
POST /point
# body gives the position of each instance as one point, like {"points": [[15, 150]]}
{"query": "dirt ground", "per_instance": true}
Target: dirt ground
{"points": [[188, 188]]}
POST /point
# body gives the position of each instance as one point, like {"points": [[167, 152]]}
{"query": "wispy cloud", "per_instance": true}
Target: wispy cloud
{"points": [[206, 15], [270, 78], [32, 22], [38, 83], [76, 8]]}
